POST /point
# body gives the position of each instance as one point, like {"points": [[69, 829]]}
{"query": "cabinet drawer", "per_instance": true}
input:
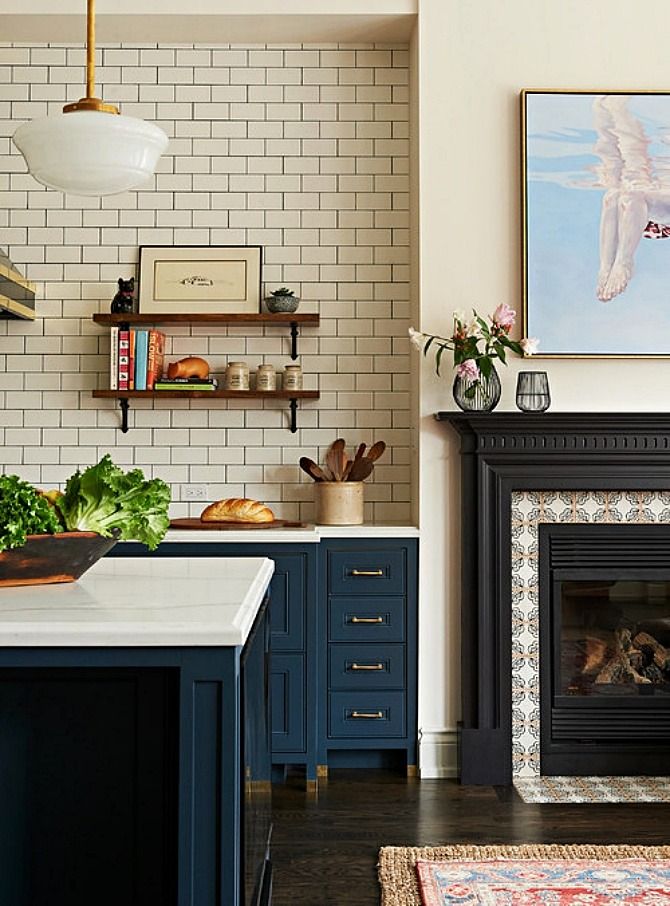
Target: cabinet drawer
{"points": [[366, 666], [366, 714], [360, 572], [287, 677], [367, 619]]}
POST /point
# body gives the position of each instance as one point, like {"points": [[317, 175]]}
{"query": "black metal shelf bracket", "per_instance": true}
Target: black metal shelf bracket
{"points": [[125, 405], [294, 339], [294, 415]]}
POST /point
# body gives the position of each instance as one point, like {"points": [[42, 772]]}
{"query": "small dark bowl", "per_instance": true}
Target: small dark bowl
{"points": [[47, 559]]}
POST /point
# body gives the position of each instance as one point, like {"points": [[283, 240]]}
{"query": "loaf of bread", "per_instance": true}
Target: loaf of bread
{"points": [[237, 509]]}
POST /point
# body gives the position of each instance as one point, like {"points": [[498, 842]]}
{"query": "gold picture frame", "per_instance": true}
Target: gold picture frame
{"points": [[581, 292], [200, 279]]}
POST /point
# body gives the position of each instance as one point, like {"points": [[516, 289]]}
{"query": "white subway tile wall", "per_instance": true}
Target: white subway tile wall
{"points": [[302, 150]]}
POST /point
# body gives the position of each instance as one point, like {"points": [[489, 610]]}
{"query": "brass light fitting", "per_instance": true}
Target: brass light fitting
{"points": [[90, 102]]}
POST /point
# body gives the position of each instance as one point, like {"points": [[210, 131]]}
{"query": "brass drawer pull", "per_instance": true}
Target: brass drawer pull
{"points": [[367, 572], [367, 619], [366, 667], [366, 715]]}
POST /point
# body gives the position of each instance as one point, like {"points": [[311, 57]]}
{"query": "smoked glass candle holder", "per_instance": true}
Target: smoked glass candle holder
{"points": [[532, 391]]}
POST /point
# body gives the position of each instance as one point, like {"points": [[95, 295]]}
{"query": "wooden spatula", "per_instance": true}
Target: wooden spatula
{"points": [[334, 458], [308, 465], [359, 454], [360, 469]]}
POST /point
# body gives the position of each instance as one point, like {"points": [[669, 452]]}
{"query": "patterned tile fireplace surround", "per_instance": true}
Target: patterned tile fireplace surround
{"points": [[529, 510], [518, 472]]}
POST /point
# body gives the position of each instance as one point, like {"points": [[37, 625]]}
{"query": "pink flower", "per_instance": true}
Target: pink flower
{"points": [[530, 345], [504, 317], [468, 369], [416, 338]]}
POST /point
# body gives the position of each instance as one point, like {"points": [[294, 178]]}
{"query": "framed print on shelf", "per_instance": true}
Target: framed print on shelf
{"points": [[220, 279], [596, 222]]}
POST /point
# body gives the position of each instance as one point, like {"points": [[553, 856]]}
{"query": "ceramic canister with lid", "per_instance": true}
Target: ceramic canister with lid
{"points": [[292, 377], [237, 376], [266, 378]]}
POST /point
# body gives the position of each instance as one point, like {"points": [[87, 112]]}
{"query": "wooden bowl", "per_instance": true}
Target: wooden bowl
{"points": [[47, 559]]}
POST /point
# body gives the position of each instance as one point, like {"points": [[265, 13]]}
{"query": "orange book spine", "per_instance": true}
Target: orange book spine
{"points": [[155, 357]]}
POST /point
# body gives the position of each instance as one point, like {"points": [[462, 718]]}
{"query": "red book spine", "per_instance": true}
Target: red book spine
{"points": [[124, 359], [155, 357]]}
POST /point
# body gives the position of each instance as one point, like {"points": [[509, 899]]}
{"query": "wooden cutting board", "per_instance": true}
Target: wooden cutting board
{"points": [[195, 523]]}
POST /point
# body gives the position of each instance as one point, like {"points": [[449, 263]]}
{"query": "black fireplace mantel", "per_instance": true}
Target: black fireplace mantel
{"points": [[502, 452]]}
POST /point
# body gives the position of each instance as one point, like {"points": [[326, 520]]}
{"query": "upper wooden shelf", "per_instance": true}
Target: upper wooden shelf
{"points": [[187, 318]]}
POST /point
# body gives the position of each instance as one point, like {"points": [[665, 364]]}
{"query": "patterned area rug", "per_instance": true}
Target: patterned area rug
{"points": [[593, 789], [525, 876]]}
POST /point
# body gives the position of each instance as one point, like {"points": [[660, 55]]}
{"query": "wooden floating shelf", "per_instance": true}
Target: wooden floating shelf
{"points": [[290, 319], [207, 394], [187, 318], [124, 396]]}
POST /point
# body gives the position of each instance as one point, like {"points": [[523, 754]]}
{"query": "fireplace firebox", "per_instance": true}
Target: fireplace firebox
{"points": [[604, 608]]}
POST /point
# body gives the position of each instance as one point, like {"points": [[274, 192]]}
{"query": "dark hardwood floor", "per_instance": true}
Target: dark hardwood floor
{"points": [[325, 846]]}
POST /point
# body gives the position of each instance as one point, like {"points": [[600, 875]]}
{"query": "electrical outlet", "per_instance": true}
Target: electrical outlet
{"points": [[194, 492]]}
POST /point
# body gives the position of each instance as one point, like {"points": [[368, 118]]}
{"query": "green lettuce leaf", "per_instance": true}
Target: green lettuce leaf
{"points": [[23, 511], [114, 503]]}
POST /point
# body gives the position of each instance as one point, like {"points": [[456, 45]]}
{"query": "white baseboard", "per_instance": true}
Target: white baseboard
{"points": [[438, 754]]}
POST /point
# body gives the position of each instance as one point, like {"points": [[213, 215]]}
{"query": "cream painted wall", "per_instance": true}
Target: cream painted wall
{"points": [[474, 58]]}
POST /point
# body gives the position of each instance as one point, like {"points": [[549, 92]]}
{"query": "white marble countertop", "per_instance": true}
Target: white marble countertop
{"points": [[140, 601], [310, 534]]}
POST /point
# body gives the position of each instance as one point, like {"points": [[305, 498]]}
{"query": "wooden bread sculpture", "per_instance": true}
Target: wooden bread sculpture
{"points": [[237, 509], [191, 367]]}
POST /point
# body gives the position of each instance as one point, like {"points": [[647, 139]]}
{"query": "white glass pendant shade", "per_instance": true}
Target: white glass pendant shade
{"points": [[89, 152]]}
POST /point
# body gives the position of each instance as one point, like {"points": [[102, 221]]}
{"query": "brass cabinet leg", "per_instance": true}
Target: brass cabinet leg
{"points": [[322, 771], [412, 770]]}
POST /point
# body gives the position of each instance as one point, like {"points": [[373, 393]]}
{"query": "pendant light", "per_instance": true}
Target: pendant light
{"points": [[89, 148]]}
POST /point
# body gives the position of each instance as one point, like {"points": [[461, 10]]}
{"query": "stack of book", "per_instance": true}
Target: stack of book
{"points": [[199, 384], [136, 360]]}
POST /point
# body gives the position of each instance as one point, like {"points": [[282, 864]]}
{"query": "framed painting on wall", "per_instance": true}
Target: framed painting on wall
{"points": [[596, 222], [200, 280]]}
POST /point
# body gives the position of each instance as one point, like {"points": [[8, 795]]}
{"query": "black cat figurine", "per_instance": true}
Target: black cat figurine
{"points": [[122, 303]]}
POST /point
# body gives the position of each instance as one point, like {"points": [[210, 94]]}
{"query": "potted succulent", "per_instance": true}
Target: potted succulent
{"points": [[282, 300]]}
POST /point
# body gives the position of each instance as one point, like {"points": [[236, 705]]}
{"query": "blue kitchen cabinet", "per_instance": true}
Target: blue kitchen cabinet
{"points": [[368, 640], [343, 615], [293, 611]]}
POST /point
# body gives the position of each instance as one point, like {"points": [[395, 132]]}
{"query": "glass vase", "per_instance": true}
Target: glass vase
{"points": [[532, 391], [485, 397]]}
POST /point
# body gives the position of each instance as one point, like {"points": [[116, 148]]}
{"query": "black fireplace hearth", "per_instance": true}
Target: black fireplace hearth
{"points": [[503, 452], [604, 604]]}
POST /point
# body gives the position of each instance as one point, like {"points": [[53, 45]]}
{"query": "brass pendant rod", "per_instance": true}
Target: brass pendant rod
{"points": [[90, 49], [90, 102]]}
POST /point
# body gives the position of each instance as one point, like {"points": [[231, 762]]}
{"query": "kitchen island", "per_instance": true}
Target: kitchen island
{"points": [[134, 736]]}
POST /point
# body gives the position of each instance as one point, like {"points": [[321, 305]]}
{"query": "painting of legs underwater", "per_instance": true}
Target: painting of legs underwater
{"points": [[596, 187]]}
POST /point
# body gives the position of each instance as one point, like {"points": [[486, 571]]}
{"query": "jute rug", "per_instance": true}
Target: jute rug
{"points": [[593, 789], [400, 886]]}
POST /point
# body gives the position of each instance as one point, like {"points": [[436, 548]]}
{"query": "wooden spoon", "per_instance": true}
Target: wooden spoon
{"points": [[376, 451], [314, 471]]}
